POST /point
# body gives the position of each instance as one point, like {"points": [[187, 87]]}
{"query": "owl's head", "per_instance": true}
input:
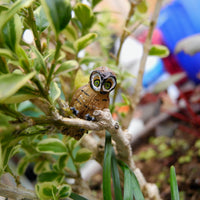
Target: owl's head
{"points": [[103, 80]]}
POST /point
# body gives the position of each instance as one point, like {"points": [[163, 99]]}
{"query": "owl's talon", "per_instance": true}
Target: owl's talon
{"points": [[74, 111], [89, 118]]}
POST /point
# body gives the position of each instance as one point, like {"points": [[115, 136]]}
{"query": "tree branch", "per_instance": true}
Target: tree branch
{"points": [[16, 192], [121, 138], [146, 48]]}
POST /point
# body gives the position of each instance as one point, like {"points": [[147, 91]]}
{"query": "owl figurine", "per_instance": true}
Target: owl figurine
{"points": [[91, 97]]}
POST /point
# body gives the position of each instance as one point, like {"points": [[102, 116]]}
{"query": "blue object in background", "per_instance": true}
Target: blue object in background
{"points": [[178, 20], [153, 74]]}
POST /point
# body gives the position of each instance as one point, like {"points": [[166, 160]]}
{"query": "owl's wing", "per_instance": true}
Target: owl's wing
{"points": [[74, 132], [80, 101]]}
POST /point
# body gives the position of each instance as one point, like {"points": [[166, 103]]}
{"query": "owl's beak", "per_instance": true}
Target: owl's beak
{"points": [[102, 92]]}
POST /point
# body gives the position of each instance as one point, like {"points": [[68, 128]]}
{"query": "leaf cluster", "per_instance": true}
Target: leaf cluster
{"points": [[30, 82]]}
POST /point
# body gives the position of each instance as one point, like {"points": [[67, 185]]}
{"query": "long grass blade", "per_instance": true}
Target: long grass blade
{"points": [[173, 184], [107, 194], [115, 177], [131, 185], [77, 196]]}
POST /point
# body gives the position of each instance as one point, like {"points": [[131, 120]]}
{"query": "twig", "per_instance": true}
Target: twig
{"points": [[124, 34], [123, 37], [104, 121], [16, 192], [146, 47], [53, 65]]}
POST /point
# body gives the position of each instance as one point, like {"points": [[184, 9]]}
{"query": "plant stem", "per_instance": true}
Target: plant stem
{"points": [[32, 24], [122, 39], [12, 113], [53, 65], [4, 65], [16, 192], [146, 47], [40, 87], [124, 34], [73, 160]]}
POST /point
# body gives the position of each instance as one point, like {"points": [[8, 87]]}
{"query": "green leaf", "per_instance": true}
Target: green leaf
{"points": [[45, 190], [159, 50], [115, 176], [12, 32], [83, 155], [3, 66], [136, 188], [41, 166], [4, 119], [69, 47], [6, 53], [23, 59], [62, 161], [125, 98], [107, 194], [71, 144], [20, 96], [54, 92], [58, 13], [142, 6], [85, 15], [40, 19], [95, 2], [131, 185], [161, 86], [70, 33], [84, 41], [173, 184], [64, 191], [77, 196], [6, 152], [22, 165], [8, 14], [39, 61], [128, 188], [67, 66], [47, 176], [88, 59], [11, 83], [52, 146]]}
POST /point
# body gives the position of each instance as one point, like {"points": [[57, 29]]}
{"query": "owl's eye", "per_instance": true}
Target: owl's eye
{"points": [[107, 85], [97, 82]]}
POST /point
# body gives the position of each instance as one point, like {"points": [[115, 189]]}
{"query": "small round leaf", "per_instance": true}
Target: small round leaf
{"points": [[52, 146]]}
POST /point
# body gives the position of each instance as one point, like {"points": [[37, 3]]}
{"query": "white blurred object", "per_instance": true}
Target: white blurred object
{"points": [[135, 127], [89, 169], [131, 54], [28, 36], [173, 92]]}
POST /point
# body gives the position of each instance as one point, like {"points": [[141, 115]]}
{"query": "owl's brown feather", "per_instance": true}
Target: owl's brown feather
{"points": [[86, 101]]}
